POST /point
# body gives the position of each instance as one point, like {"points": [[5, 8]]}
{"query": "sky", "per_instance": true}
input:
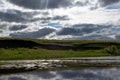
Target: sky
{"points": [[60, 19]]}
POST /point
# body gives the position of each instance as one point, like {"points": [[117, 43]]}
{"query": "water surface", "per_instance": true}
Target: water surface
{"points": [[79, 74]]}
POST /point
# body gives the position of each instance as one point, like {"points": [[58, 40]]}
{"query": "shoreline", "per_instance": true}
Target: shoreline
{"points": [[11, 66]]}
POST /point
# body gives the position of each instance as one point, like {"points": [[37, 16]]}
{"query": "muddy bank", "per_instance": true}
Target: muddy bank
{"points": [[16, 69], [30, 65]]}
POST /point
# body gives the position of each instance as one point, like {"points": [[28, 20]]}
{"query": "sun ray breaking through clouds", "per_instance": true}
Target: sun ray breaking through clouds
{"points": [[44, 4], [60, 19]]}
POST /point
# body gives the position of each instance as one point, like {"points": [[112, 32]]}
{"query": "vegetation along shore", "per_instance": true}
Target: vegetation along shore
{"points": [[27, 49]]}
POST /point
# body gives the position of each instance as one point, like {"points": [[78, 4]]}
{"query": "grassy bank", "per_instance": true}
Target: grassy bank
{"points": [[13, 49], [23, 53]]}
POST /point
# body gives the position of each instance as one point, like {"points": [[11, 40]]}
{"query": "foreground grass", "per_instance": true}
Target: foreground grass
{"points": [[25, 53], [19, 49]]}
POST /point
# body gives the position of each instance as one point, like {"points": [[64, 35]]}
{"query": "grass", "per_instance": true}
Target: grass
{"points": [[25, 53], [19, 48]]}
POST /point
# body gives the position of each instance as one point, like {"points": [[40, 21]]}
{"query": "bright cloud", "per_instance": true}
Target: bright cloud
{"points": [[81, 19]]}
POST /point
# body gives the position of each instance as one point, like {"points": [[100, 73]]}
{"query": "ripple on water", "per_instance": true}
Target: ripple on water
{"points": [[84, 74]]}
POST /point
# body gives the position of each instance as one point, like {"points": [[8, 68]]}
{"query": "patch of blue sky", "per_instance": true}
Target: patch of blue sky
{"points": [[116, 30], [114, 6], [55, 25]]}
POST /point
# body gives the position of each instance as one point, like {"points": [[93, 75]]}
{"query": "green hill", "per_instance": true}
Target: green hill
{"points": [[38, 49]]}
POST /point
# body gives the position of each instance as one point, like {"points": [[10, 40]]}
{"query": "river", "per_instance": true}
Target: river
{"points": [[91, 68], [112, 73]]}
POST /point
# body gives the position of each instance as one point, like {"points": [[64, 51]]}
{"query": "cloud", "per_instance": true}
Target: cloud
{"points": [[86, 32], [47, 19], [68, 31], [66, 19], [11, 17], [60, 18], [41, 4], [80, 29], [60, 3], [34, 4], [35, 34], [114, 6], [117, 37], [15, 16], [92, 37], [108, 2], [1, 31], [17, 27], [52, 4]]}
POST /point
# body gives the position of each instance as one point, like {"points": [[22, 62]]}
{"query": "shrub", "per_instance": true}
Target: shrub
{"points": [[113, 50]]}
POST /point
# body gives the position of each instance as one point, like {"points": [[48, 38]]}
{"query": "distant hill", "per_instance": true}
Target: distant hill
{"points": [[20, 49], [56, 44]]}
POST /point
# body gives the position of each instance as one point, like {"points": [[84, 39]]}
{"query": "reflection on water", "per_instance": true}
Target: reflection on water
{"points": [[85, 74]]}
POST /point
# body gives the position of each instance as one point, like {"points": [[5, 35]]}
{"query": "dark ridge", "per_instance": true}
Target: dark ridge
{"points": [[56, 47], [95, 45], [17, 44], [30, 44]]}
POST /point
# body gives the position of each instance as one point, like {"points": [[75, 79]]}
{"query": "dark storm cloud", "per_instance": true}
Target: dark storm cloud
{"points": [[35, 34], [92, 32], [117, 37], [1, 31], [69, 31], [41, 4], [92, 37], [59, 3], [3, 26], [60, 18], [79, 29], [15, 16], [96, 37], [34, 4], [108, 2], [54, 18], [47, 19], [10, 17], [17, 27]]}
